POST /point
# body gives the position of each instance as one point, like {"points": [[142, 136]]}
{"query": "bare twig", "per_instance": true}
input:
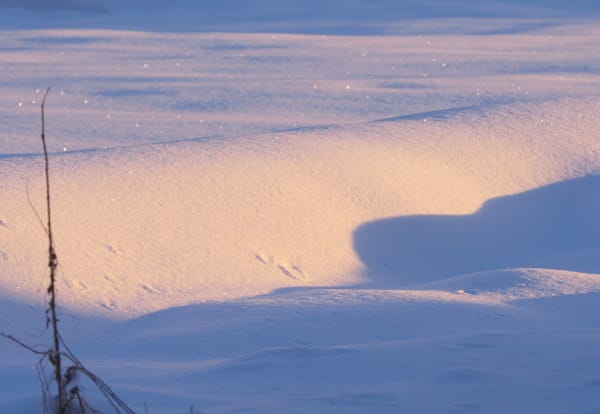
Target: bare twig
{"points": [[52, 264], [45, 385], [69, 393], [37, 215], [117, 403], [23, 344]]}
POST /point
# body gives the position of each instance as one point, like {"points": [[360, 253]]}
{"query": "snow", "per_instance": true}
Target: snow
{"points": [[333, 207]]}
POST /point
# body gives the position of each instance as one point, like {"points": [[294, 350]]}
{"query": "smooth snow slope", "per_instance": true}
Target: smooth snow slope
{"points": [[148, 228], [266, 222]]}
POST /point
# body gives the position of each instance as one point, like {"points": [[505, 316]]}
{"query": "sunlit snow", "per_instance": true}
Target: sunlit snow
{"points": [[306, 207]]}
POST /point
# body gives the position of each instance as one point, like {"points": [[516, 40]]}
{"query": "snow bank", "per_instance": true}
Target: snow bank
{"points": [[305, 223], [162, 226]]}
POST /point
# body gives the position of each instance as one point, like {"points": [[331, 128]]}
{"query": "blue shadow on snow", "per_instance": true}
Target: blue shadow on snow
{"points": [[556, 226]]}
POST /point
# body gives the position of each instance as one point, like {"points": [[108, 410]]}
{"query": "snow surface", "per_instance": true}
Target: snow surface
{"points": [[329, 207]]}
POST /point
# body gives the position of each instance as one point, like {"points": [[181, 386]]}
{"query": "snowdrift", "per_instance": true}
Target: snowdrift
{"points": [[333, 207], [402, 201]]}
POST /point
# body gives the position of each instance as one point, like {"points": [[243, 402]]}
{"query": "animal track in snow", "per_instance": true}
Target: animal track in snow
{"points": [[114, 250], [261, 259], [151, 289], [109, 304], [76, 284], [290, 270], [294, 271]]}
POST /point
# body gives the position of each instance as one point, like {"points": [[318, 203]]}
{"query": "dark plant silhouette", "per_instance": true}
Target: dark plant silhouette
{"points": [[69, 398]]}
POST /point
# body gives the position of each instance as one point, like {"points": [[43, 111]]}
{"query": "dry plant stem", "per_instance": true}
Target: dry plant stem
{"points": [[64, 396], [23, 344], [52, 263]]}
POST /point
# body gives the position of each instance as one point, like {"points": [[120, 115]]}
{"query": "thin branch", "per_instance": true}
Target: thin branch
{"points": [[37, 215], [108, 393], [45, 385], [52, 264], [54, 355], [23, 344]]}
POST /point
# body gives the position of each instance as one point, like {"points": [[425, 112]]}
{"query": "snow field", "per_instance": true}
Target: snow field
{"points": [[304, 223]]}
